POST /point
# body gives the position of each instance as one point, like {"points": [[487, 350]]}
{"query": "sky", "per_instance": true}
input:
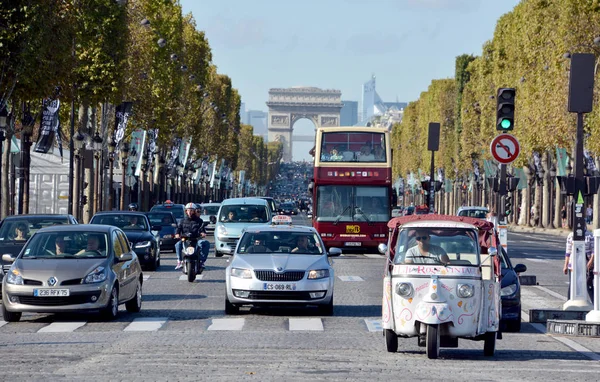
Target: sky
{"points": [[340, 44]]}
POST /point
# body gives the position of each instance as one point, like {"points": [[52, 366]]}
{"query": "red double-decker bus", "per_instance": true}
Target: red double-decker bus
{"points": [[352, 186]]}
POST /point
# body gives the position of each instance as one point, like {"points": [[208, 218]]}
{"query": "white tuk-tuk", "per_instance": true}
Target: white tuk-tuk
{"points": [[441, 282]]}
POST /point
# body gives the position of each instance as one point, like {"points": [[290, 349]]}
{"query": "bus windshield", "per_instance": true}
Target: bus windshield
{"points": [[353, 147], [353, 204]]}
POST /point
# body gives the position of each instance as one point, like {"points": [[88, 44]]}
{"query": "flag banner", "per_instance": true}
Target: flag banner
{"points": [[520, 173], [489, 169], [213, 173], [49, 126], [448, 185], [184, 151], [152, 137], [173, 155], [122, 114], [134, 160], [562, 159], [590, 165]]}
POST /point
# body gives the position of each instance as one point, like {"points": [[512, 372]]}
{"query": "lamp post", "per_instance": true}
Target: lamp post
{"points": [[78, 142], [3, 125], [124, 155], [111, 159], [143, 184], [97, 147]]}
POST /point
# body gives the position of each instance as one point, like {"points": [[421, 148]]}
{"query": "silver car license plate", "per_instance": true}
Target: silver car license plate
{"points": [[51, 292], [279, 286], [353, 244]]}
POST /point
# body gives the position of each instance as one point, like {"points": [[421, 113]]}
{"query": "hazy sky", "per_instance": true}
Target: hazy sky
{"points": [[339, 44]]}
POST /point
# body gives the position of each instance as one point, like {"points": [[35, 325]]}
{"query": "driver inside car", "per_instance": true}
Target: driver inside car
{"points": [[93, 245], [259, 246], [425, 252]]}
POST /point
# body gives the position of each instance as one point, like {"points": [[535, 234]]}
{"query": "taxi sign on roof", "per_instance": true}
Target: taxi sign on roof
{"points": [[281, 219]]}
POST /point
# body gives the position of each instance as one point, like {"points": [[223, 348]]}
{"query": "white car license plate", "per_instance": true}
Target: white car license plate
{"points": [[353, 244], [279, 286], [51, 292]]}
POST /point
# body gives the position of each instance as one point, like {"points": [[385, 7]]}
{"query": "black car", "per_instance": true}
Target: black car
{"points": [[11, 243], [288, 208], [142, 236], [177, 209], [510, 294], [168, 226]]}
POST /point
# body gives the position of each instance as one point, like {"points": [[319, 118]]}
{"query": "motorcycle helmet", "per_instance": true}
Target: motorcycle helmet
{"points": [[132, 207], [190, 206]]}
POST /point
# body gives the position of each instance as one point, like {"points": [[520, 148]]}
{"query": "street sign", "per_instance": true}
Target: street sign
{"points": [[505, 148]]}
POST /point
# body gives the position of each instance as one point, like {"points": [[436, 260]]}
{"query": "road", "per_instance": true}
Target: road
{"points": [[182, 333]]}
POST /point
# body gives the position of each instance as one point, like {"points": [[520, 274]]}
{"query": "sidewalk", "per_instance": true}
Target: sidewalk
{"points": [[549, 231]]}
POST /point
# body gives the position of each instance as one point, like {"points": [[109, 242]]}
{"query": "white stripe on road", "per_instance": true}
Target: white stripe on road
{"points": [[374, 256], [227, 324], [351, 278], [61, 327], [146, 277], [146, 324], [374, 325], [184, 278], [305, 324], [2, 323], [535, 260], [551, 292]]}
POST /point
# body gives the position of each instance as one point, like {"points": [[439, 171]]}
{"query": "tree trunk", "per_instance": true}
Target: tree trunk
{"points": [[4, 182], [546, 205]]}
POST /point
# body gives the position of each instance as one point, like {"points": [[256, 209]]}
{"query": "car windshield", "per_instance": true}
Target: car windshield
{"points": [[161, 219], [178, 211], [23, 229], [66, 245], [243, 213], [300, 243], [209, 210], [426, 245], [127, 222]]}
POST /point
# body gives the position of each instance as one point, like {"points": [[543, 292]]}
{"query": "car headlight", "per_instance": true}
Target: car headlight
{"points": [[404, 289], [167, 236], [96, 276], [14, 277], [241, 273], [318, 274], [221, 230], [508, 290], [142, 244], [465, 290]]}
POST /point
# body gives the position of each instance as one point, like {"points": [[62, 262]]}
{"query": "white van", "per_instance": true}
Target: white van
{"points": [[234, 216]]}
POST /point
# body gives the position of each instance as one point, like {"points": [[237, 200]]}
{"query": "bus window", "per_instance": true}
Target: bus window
{"points": [[353, 147]]}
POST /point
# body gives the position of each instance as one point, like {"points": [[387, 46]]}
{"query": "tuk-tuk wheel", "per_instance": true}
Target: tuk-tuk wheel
{"points": [[433, 341], [391, 341], [489, 346]]}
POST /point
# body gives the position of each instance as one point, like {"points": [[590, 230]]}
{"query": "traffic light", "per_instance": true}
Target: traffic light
{"points": [[507, 204], [505, 119]]}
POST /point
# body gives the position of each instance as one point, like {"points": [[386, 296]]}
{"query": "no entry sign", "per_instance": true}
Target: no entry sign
{"points": [[505, 148]]}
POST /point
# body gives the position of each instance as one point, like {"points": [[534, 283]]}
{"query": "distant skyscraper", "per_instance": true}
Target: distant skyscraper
{"points": [[243, 114], [373, 105], [258, 120], [349, 113]]}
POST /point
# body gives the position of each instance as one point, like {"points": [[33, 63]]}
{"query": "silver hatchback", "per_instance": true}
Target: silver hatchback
{"points": [[73, 268]]}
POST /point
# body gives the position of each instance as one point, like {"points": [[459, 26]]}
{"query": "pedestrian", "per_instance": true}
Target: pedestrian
{"points": [[589, 214], [563, 216], [589, 255]]}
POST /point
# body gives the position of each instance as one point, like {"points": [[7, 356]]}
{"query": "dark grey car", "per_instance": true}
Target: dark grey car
{"points": [[73, 268]]}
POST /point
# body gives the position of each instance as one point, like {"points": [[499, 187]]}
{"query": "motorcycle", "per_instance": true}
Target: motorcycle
{"points": [[192, 265]]}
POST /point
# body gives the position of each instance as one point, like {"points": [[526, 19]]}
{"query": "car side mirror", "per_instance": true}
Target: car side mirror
{"points": [[382, 248], [334, 251], [127, 256], [174, 225], [492, 252], [8, 258], [519, 268]]}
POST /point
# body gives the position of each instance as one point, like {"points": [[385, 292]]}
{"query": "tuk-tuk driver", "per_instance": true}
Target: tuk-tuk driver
{"points": [[425, 252]]}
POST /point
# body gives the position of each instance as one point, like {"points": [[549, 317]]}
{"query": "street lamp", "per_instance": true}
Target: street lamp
{"points": [[78, 143], [143, 184], [97, 147], [111, 159], [3, 126], [124, 157]]}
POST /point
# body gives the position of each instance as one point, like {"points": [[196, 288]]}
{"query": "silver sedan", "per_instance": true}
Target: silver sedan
{"points": [[73, 268], [280, 265]]}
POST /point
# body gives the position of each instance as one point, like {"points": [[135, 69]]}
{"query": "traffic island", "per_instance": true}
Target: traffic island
{"points": [[573, 328]]}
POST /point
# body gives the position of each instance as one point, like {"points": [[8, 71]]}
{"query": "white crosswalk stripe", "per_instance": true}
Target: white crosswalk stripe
{"points": [[146, 277], [62, 327], [227, 324], [184, 278], [374, 325], [373, 256], [146, 324], [308, 324], [2, 323], [351, 278]]}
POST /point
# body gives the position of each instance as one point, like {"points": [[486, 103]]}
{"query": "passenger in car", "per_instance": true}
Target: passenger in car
{"points": [[425, 252]]}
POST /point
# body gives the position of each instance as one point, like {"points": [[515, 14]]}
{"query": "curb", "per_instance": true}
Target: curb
{"points": [[550, 231]]}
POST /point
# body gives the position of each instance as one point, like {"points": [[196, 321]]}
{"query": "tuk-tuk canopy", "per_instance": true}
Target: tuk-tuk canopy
{"points": [[482, 225]]}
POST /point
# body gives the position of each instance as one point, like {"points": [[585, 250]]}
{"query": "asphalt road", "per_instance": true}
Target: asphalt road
{"points": [[182, 333]]}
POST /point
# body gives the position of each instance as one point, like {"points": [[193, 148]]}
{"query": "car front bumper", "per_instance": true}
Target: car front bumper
{"points": [[280, 293], [146, 255], [511, 309]]}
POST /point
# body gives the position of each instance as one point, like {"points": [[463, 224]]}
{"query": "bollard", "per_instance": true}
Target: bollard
{"points": [[594, 315], [580, 299]]}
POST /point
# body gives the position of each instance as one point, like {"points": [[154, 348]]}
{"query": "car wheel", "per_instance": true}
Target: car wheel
{"points": [[10, 316], [327, 309], [135, 304], [230, 308], [111, 311], [152, 266], [391, 341], [218, 254]]}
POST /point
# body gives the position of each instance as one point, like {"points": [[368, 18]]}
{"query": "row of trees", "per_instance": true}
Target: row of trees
{"points": [[529, 51], [103, 52]]}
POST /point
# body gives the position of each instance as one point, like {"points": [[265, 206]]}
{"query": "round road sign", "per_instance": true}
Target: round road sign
{"points": [[505, 148]]}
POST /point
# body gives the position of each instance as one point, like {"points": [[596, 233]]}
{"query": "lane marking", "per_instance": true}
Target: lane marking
{"points": [[535, 260], [2, 323], [227, 324], [313, 324], [184, 278], [146, 277], [374, 325], [61, 327], [566, 341], [350, 278], [551, 292], [146, 324], [372, 256]]}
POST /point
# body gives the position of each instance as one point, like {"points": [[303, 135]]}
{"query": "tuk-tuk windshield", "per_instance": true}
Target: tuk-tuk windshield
{"points": [[429, 245]]}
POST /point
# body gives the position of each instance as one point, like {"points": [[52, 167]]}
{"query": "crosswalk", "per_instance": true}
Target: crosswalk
{"points": [[153, 324]]}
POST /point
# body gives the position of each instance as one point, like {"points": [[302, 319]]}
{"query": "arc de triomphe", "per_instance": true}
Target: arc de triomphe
{"points": [[286, 106]]}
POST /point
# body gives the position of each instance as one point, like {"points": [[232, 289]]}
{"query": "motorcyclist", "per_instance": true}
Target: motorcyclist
{"points": [[194, 226], [132, 207]]}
